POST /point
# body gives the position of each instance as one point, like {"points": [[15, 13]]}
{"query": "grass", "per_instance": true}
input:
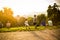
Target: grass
{"points": [[31, 28]]}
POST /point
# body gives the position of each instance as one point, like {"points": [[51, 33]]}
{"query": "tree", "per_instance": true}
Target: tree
{"points": [[8, 16], [22, 20], [30, 20], [1, 15], [40, 18], [53, 14], [49, 11]]}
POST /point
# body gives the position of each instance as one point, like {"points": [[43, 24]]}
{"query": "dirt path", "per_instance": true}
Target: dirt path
{"points": [[31, 35]]}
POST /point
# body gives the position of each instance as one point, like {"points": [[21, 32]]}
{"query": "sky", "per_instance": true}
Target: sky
{"points": [[27, 7]]}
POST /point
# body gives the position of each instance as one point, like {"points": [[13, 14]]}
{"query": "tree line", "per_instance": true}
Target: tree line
{"points": [[7, 15]]}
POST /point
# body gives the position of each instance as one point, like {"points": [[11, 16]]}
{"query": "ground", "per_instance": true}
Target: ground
{"points": [[47, 34]]}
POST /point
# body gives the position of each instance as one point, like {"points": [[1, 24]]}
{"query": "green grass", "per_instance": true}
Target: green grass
{"points": [[31, 28]]}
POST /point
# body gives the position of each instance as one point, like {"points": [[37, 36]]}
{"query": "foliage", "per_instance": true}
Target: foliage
{"points": [[7, 15], [54, 14], [22, 20], [40, 18], [30, 20]]}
